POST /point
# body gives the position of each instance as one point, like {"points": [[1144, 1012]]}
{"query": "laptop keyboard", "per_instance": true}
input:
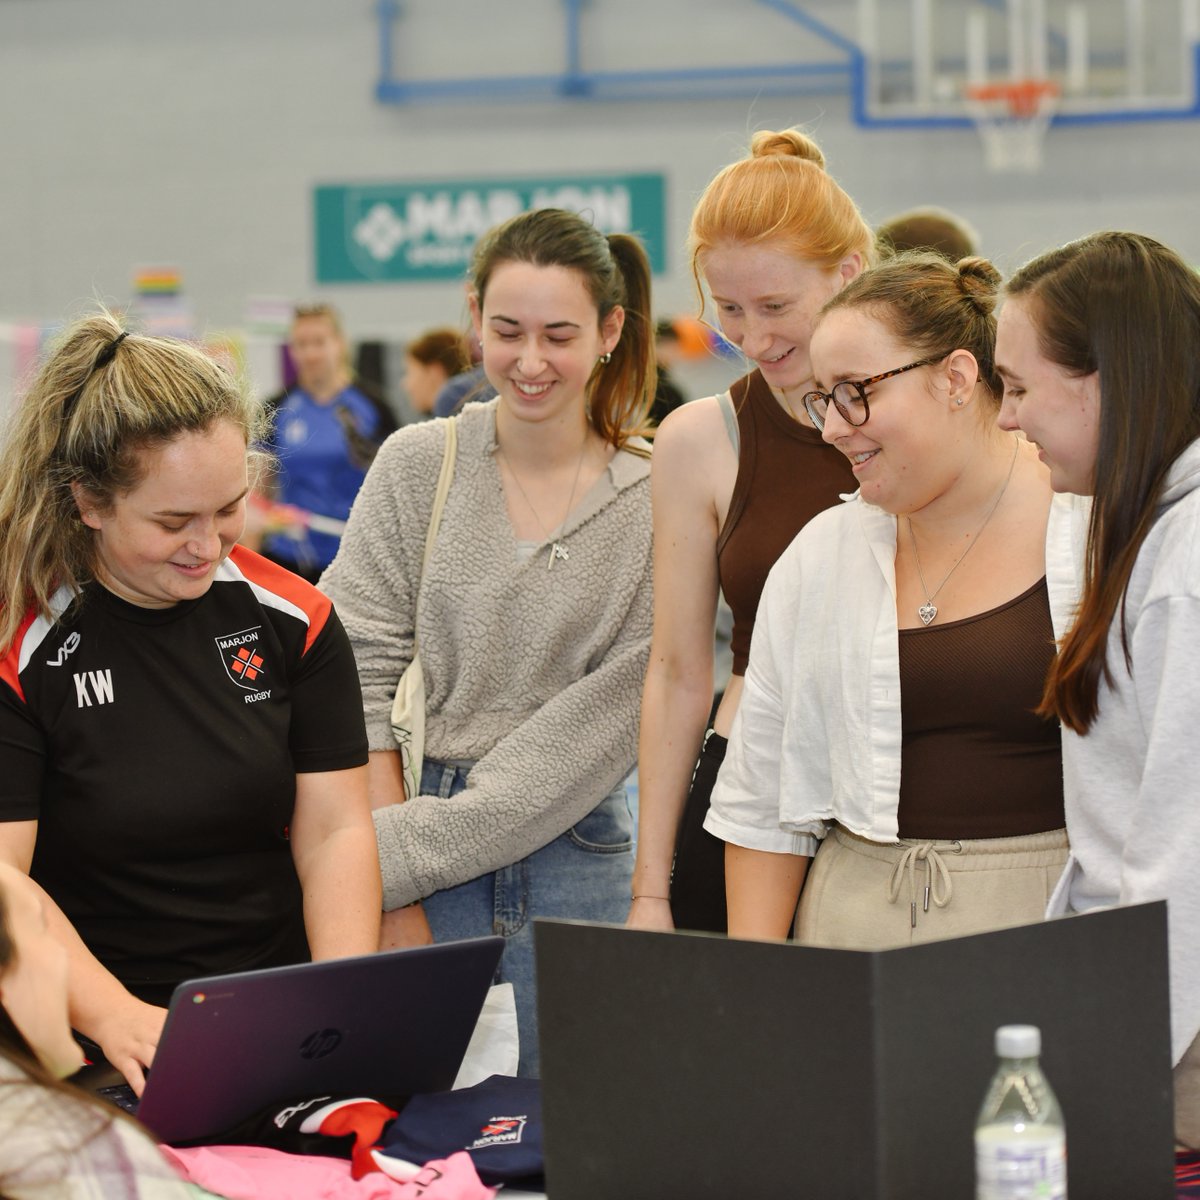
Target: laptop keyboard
{"points": [[122, 1095]]}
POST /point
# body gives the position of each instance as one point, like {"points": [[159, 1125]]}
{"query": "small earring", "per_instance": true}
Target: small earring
{"points": [[606, 357], [959, 402]]}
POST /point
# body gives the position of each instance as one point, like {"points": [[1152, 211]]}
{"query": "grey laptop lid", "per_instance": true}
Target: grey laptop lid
{"points": [[693, 1066], [394, 1023]]}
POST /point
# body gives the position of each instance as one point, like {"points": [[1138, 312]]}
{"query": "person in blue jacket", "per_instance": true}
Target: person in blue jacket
{"points": [[327, 429]]}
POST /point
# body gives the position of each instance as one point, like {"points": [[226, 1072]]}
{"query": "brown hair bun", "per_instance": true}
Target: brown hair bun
{"points": [[980, 282]]}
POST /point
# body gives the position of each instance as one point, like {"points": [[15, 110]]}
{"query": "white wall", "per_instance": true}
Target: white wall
{"points": [[144, 131]]}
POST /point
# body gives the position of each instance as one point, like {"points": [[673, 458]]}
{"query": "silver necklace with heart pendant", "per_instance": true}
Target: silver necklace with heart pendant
{"points": [[928, 611]]}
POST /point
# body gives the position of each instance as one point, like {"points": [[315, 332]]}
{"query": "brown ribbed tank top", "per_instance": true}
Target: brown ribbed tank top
{"points": [[786, 475], [976, 762]]}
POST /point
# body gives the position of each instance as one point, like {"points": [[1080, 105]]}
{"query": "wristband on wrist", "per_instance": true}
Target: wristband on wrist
{"points": [[644, 896]]}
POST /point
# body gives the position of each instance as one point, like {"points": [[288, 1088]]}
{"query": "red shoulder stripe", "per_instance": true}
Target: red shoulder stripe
{"points": [[290, 588], [10, 664]]}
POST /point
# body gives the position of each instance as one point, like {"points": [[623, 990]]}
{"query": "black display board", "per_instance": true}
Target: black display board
{"points": [[695, 1066]]}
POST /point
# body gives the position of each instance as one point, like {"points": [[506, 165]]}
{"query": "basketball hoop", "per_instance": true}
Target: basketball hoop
{"points": [[1012, 119]]}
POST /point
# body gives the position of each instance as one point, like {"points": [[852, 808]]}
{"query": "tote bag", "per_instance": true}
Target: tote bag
{"points": [[408, 708]]}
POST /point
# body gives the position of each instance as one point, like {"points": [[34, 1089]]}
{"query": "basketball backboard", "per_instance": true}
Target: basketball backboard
{"points": [[1113, 60]]}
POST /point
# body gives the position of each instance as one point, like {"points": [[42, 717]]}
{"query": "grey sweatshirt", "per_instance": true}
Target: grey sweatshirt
{"points": [[1133, 814], [533, 674]]}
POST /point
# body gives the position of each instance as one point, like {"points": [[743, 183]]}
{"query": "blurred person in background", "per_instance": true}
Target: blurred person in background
{"points": [[667, 351], [429, 361], [470, 384], [928, 228], [327, 429]]}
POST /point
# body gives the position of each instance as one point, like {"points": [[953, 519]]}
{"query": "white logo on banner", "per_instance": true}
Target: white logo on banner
{"points": [[441, 227], [380, 232]]}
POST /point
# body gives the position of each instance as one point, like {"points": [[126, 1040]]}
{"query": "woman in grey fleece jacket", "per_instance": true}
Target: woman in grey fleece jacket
{"points": [[1099, 347], [534, 616]]}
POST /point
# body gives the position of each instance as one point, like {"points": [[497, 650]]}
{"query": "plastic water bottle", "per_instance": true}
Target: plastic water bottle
{"points": [[1020, 1139]]}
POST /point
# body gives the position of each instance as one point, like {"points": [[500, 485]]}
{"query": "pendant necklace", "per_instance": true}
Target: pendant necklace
{"points": [[558, 551], [928, 611]]}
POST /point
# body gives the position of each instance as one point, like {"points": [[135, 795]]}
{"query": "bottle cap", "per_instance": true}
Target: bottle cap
{"points": [[1018, 1041]]}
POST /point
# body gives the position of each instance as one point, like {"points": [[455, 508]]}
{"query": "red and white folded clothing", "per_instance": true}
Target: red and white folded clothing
{"points": [[497, 1122]]}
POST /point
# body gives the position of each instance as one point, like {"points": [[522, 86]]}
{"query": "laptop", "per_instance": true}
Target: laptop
{"points": [[396, 1023], [695, 1066]]}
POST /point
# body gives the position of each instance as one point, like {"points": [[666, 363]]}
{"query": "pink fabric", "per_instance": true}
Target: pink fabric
{"points": [[256, 1173], [452, 1178]]}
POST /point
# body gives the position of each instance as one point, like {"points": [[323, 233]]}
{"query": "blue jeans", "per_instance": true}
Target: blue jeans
{"points": [[584, 874]]}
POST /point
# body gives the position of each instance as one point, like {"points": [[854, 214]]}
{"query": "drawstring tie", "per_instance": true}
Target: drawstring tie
{"points": [[938, 883]]}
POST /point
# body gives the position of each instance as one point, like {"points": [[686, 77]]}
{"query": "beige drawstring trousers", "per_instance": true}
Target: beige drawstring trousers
{"points": [[863, 895]]}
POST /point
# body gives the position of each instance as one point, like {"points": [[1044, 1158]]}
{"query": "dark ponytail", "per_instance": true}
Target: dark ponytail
{"points": [[622, 390]]}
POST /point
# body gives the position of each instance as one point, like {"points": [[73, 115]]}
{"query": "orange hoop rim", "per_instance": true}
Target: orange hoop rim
{"points": [[1022, 96]]}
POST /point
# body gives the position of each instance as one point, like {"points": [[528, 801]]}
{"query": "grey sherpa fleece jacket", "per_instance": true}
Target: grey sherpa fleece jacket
{"points": [[533, 674]]}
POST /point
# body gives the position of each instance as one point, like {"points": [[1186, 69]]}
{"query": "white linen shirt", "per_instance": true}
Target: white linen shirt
{"points": [[817, 735]]}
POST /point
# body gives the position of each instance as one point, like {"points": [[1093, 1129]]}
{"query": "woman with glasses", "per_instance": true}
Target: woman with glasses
{"points": [[1097, 348], [887, 724], [735, 478]]}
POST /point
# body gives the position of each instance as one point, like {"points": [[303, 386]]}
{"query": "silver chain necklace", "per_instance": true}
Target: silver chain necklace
{"points": [[558, 552], [928, 611]]}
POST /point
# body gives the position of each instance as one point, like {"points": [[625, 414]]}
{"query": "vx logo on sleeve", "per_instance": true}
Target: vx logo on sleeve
{"points": [[69, 646]]}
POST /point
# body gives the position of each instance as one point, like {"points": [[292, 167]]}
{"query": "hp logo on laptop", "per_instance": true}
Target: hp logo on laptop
{"points": [[321, 1043]]}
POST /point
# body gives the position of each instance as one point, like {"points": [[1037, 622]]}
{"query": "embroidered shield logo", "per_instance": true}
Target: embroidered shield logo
{"points": [[242, 656], [500, 1131]]}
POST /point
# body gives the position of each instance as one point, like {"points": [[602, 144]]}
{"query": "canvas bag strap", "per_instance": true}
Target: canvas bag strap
{"points": [[445, 477]]}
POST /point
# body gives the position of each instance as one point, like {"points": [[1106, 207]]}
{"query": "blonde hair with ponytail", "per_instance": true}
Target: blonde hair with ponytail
{"points": [[101, 397]]}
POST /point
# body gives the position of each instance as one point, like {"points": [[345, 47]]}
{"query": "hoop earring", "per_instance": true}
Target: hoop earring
{"points": [[605, 358]]}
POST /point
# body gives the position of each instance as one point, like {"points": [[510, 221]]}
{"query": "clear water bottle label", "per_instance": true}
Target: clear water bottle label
{"points": [[1031, 1165]]}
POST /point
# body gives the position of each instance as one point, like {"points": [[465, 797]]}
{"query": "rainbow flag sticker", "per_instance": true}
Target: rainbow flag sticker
{"points": [[157, 281]]}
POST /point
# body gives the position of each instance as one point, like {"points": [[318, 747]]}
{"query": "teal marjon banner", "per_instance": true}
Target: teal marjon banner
{"points": [[401, 233]]}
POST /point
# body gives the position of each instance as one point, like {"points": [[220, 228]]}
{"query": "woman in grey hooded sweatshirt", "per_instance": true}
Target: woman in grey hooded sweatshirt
{"points": [[533, 617], [1099, 350]]}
